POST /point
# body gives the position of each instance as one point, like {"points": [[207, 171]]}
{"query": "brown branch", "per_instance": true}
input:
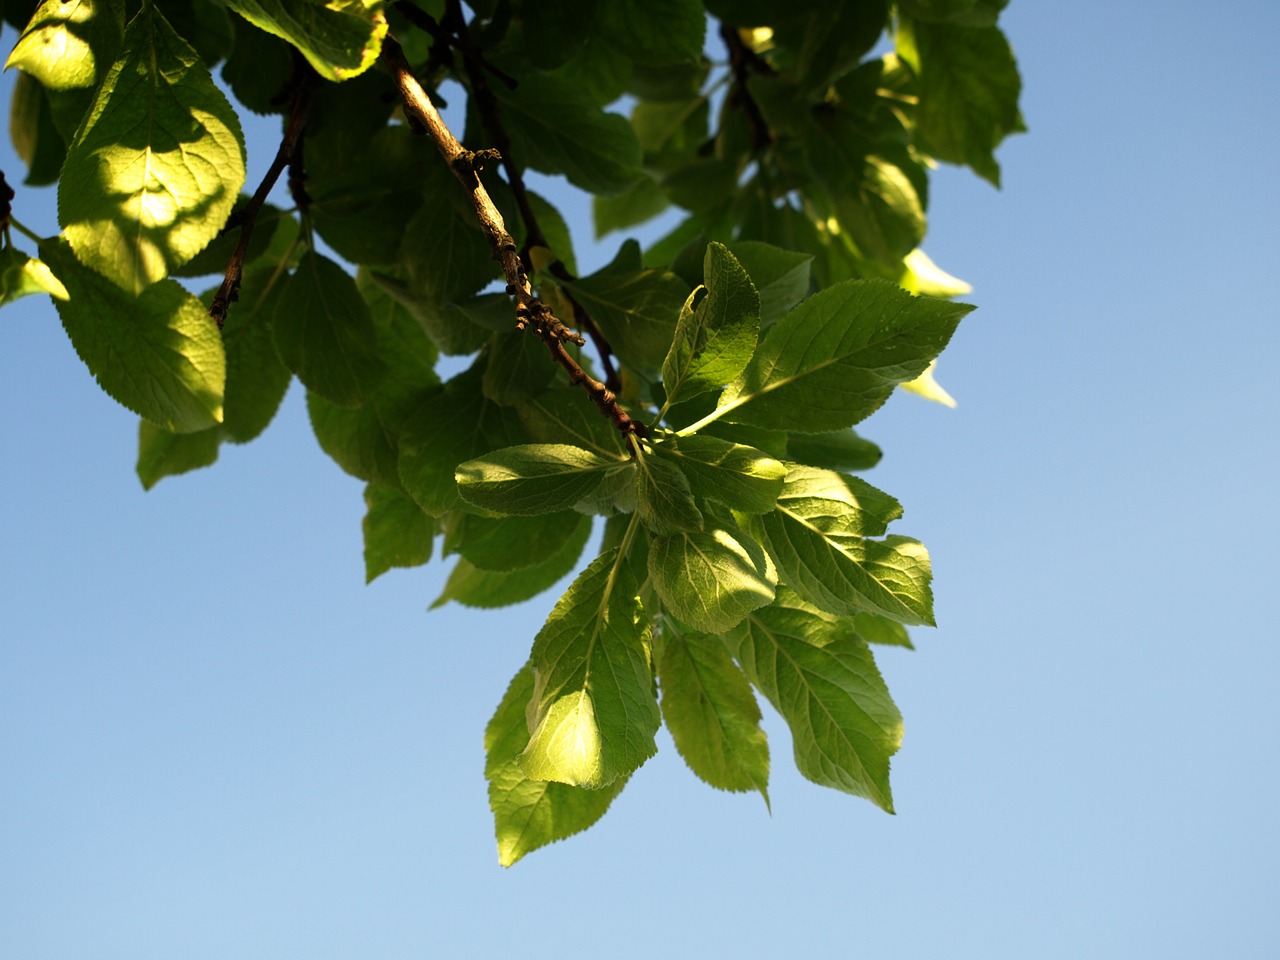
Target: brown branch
{"points": [[531, 313], [743, 60], [475, 66], [229, 291], [6, 202]]}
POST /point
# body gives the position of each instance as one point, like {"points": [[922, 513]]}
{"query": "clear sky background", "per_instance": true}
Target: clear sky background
{"points": [[216, 742]]}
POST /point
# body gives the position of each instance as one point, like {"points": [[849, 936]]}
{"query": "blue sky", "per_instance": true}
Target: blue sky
{"points": [[215, 741]]}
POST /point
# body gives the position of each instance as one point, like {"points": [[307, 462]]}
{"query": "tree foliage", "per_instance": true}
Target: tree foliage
{"points": [[700, 395]]}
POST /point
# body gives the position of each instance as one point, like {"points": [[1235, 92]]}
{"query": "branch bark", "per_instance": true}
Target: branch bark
{"points": [[303, 82], [531, 312]]}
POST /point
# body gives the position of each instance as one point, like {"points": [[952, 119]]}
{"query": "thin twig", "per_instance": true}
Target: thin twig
{"points": [[744, 60], [531, 313], [229, 291]]}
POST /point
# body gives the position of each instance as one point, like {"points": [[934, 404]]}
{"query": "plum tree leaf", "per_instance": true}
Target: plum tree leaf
{"points": [[712, 714], [711, 579], [527, 813], [533, 478], [715, 340], [340, 39], [823, 680], [593, 714], [157, 164], [157, 353], [833, 360]]}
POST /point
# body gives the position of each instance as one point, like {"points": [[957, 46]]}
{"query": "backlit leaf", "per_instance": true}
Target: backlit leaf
{"points": [[712, 714], [339, 39], [533, 478], [823, 680], [158, 353], [325, 333], [593, 714], [529, 814], [711, 579], [714, 341], [156, 165], [833, 360], [396, 531]]}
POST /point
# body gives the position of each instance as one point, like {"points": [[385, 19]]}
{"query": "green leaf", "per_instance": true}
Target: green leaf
{"points": [[712, 714], [21, 276], [641, 202], [566, 415], [164, 454], [823, 680], [158, 353], [781, 276], [446, 255], [339, 39], [517, 368], [663, 497], [969, 88], [817, 538], [325, 333], [258, 70], [835, 359], [69, 45], [156, 165], [448, 427], [714, 341], [256, 379], [34, 133], [206, 25], [533, 478], [654, 32], [882, 630], [711, 579], [214, 258], [876, 190], [741, 477], [839, 450], [556, 129], [636, 310], [529, 814], [509, 543], [396, 531], [363, 206], [593, 713], [473, 587]]}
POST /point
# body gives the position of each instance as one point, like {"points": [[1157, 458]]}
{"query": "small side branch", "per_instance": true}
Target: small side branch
{"points": [[744, 61], [289, 152], [531, 312]]}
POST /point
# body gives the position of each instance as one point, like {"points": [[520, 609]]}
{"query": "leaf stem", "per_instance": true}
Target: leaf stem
{"points": [[531, 312], [17, 225]]}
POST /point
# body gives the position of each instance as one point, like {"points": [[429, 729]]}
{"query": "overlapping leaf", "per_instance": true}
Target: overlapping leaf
{"points": [[833, 360], [818, 538], [822, 679], [533, 478], [397, 533], [714, 341], [711, 579], [340, 39], [712, 714], [157, 353], [529, 814]]}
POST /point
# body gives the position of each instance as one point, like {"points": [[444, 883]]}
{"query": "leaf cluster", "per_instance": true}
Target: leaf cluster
{"points": [[699, 396]]}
